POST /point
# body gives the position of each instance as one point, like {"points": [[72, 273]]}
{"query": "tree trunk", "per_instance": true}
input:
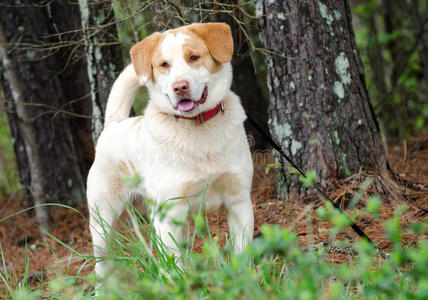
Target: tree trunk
{"points": [[44, 52], [419, 15], [320, 111], [169, 14], [28, 134], [374, 54], [400, 56], [103, 53]]}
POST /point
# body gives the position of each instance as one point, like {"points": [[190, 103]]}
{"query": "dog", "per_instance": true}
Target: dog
{"points": [[189, 141]]}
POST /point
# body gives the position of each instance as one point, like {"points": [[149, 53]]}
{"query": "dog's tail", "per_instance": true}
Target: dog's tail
{"points": [[122, 96]]}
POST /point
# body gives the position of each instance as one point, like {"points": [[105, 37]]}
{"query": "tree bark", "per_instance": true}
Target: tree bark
{"points": [[374, 54], [400, 57], [103, 53], [44, 50], [319, 111], [28, 135], [419, 15]]}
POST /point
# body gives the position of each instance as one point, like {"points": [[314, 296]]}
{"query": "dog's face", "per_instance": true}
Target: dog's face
{"points": [[186, 70]]}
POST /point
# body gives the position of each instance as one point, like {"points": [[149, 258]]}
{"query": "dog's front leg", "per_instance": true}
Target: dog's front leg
{"points": [[240, 220], [102, 216], [169, 228]]}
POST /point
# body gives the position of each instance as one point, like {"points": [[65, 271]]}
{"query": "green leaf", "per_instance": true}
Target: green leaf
{"points": [[340, 221], [309, 180], [373, 204], [272, 166]]}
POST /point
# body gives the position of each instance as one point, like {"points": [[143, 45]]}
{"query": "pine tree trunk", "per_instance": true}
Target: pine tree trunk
{"points": [[28, 134], [103, 53], [419, 15], [377, 63], [53, 79], [400, 56], [319, 111]]}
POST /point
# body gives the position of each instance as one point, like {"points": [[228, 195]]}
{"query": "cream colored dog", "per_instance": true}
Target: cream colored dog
{"points": [[191, 136]]}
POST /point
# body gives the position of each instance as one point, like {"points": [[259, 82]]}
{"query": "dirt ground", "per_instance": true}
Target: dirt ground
{"points": [[410, 186]]}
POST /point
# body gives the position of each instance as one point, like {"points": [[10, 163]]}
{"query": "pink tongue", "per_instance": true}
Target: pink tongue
{"points": [[186, 105]]}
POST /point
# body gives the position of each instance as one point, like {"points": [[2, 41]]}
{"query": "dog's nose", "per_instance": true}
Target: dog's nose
{"points": [[180, 87]]}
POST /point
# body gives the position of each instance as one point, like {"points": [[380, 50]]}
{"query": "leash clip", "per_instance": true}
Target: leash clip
{"points": [[221, 106]]}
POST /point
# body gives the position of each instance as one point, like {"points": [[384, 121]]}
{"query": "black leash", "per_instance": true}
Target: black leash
{"points": [[354, 226]]}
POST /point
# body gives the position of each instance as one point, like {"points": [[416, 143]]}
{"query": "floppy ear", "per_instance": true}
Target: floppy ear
{"points": [[141, 56], [217, 37]]}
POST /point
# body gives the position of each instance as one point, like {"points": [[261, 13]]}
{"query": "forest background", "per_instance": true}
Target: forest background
{"points": [[67, 54]]}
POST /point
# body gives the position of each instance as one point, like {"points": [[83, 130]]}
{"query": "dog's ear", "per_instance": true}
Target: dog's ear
{"points": [[141, 56], [217, 37]]}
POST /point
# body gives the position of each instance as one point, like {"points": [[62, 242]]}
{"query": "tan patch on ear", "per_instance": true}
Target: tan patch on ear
{"points": [[195, 46], [142, 54], [217, 38], [212, 65]]}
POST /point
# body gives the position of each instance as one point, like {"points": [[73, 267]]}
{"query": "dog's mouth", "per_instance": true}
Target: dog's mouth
{"points": [[186, 105]]}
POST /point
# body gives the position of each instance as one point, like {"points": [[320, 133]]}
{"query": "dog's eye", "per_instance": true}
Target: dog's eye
{"points": [[193, 58], [164, 65]]}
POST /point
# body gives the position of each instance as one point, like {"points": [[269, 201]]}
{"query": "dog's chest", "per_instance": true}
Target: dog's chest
{"points": [[211, 192], [169, 174]]}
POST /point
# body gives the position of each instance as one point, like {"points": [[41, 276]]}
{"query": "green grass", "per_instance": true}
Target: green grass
{"points": [[274, 266], [9, 180]]}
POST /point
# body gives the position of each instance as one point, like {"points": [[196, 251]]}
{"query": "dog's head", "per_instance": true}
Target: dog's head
{"points": [[186, 70]]}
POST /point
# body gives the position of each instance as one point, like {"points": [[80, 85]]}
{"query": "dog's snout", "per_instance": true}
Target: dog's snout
{"points": [[181, 87]]}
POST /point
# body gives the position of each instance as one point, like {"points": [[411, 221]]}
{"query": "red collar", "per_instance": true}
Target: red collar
{"points": [[206, 115]]}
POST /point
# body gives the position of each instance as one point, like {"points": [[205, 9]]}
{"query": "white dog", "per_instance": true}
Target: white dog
{"points": [[191, 136]]}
